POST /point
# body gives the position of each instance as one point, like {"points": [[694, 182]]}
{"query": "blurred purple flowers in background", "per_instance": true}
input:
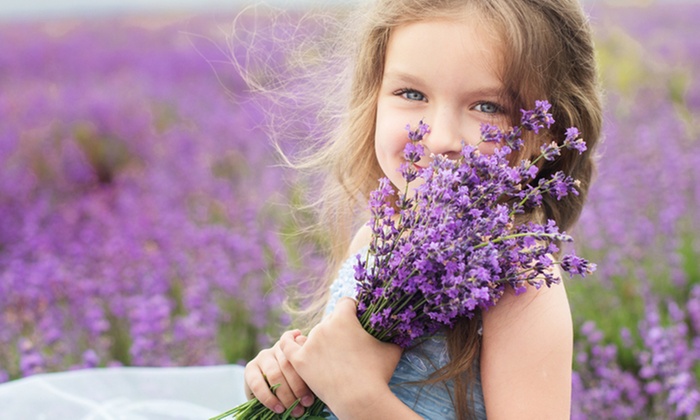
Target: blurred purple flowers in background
{"points": [[141, 210], [143, 220], [638, 349]]}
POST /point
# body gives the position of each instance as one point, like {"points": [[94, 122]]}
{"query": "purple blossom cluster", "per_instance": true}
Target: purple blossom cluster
{"points": [[451, 246], [137, 225]]}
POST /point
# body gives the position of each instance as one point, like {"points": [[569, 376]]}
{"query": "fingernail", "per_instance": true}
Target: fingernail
{"points": [[297, 412], [279, 409], [307, 400]]}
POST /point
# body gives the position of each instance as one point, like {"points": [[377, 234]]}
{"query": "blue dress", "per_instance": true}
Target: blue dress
{"points": [[431, 401]]}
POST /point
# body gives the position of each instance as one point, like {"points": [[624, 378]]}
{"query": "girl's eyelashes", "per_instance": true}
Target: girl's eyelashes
{"points": [[414, 95], [410, 94], [489, 108]]}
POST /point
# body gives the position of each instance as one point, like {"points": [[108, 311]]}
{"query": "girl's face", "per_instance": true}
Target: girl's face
{"points": [[446, 72]]}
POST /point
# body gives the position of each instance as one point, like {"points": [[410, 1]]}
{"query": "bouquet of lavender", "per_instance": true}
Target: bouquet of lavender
{"points": [[450, 247]]}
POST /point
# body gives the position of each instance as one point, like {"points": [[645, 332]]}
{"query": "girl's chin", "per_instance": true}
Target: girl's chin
{"points": [[401, 186]]}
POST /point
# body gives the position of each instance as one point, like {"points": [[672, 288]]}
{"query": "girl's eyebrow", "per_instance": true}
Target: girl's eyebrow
{"points": [[490, 91], [401, 76]]}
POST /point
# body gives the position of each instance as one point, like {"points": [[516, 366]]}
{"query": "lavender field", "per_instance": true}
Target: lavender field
{"points": [[144, 220]]}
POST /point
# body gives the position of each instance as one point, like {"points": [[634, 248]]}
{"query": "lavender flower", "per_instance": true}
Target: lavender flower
{"points": [[455, 246], [537, 118], [576, 265], [573, 141]]}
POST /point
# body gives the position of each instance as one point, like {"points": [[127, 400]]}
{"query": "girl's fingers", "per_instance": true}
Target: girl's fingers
{"points": [[297, 386], [282, 391], [276, 379], [346, 305], [270, 368], [290, 348], [255, 378]]}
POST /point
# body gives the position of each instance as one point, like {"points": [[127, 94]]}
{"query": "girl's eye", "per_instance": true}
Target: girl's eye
{"points": [[488, 108], [410, 94]]}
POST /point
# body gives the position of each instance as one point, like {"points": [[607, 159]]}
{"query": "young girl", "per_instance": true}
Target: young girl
{"points": [[456, 64]]}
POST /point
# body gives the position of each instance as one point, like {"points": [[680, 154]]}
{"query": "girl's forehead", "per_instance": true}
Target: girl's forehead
{"points": [[444, 45]]}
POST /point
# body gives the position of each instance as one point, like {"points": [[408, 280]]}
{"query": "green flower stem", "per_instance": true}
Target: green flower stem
{"points": [[255, 410]]}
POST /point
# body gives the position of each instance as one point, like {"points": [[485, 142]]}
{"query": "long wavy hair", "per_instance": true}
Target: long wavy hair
{"points": [[548, 54]]}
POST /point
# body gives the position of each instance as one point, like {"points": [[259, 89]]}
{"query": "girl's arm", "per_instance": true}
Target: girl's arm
{"points": [[347, 368], [527, 354]]}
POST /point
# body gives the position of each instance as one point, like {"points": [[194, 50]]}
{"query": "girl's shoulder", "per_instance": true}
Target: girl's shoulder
{"points": [[546, 308], [360, 240]]}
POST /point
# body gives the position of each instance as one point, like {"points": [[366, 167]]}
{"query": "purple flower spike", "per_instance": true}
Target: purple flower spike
{"points": [[408, 171], [575, 265], [572, 134], [491, 133], [513, 138], [537, 118], [420, 132], [413, 152], [573, 141], [550, 151]]}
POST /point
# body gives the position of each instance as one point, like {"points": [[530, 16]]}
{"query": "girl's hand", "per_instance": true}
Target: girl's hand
{"points": [[345, 366], [271, 367]]}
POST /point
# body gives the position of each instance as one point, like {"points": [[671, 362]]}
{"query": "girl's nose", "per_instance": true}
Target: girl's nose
{"points": [[446, 134]]}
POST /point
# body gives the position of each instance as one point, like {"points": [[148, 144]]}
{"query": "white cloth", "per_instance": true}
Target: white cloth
{"points": [[126, 393]]}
